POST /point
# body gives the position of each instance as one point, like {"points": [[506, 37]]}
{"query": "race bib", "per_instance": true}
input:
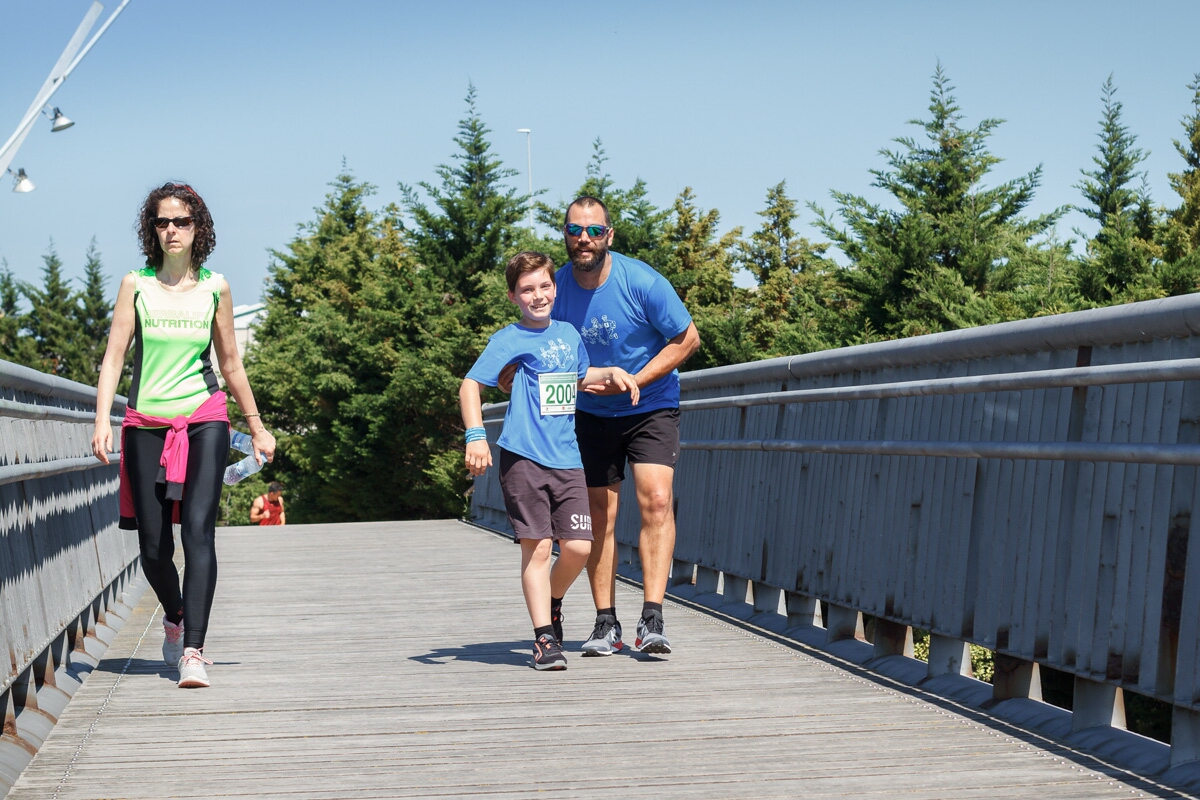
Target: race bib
{"points": [[557, 390]]}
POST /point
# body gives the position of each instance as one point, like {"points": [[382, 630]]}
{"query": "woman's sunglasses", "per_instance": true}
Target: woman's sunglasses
{"points": [[179, 222]]}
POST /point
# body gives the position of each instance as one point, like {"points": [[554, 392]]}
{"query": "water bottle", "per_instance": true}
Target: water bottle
{"points": [[242, 469], [241, 442]]}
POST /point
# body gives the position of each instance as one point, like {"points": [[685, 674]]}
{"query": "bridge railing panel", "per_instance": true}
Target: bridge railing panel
{"points": [[1029, 487], [63, 560]]}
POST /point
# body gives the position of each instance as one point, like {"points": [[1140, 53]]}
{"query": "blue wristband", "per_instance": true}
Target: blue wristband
{"points": [[476, 434]]}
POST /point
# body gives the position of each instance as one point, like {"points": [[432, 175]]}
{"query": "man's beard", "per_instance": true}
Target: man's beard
{"points": [[595, 258]]}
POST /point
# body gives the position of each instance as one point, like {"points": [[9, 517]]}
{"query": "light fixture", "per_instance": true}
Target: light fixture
{"points": [[58, 121], [21, 182]]}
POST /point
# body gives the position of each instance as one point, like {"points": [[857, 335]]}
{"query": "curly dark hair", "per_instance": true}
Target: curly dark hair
{"points": [[205, 237]]}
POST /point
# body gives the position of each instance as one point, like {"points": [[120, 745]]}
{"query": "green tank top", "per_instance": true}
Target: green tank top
{"points": [[172, 366]]}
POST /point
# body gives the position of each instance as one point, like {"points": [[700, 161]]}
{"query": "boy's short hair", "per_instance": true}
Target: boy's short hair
{"points": [[526, 262], [275, 486]]}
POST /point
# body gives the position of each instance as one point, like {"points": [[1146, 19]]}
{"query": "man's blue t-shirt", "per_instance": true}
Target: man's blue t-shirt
{"points": [[547, 438], [624, 323]]}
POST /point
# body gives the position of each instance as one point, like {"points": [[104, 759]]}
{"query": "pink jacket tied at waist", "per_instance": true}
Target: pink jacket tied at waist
{"points": [[175, 451]]}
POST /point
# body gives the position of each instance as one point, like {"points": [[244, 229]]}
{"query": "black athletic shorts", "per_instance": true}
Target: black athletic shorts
{"points": [[606, 443], [544, 503]]}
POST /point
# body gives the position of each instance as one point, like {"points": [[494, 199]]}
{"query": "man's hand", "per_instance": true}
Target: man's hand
{"points": [[505, 381], [614, 380]]}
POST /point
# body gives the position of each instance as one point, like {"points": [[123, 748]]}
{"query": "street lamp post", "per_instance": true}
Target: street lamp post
{"points": [[529, 155], [66, 64]]}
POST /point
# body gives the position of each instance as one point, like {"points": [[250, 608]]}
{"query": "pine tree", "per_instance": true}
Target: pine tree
{"points": [[356, 365], [699, 264], [94, 315], [638, 225], [1179, 236], [53, 322], [16, 345], [1120, 258], [1107, 188], [796, 306], [474, 224], [927, 265]]}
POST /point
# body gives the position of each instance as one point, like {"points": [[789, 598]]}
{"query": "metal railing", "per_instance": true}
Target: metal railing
{"points": [[1028, 487], [64, 563]]}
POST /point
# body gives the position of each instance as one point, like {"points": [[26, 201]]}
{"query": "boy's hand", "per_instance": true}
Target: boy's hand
{"points": [[616, 381], [478, 458]]}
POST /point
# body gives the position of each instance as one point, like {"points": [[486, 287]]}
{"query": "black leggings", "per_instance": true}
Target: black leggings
{"points": [[208, 444]]}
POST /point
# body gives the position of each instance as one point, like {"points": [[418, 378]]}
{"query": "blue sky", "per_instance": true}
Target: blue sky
{"points": [[257, 103]]}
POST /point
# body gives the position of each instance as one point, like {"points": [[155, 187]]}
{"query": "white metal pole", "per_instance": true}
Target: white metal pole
{"points": [[529, 170]]}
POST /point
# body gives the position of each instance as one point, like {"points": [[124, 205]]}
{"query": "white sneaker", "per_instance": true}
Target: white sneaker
{"points": [[191, 669], [172, 643]]}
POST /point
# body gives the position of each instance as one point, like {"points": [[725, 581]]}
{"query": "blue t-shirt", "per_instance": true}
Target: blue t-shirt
{"points": [[624, 323], [548, 439]]}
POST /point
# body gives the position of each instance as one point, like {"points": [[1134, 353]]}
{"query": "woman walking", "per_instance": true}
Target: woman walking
{"points": [[175, 312]]}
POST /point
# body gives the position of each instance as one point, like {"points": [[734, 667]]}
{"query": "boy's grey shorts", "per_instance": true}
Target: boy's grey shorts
{"points": [[544, 503]]}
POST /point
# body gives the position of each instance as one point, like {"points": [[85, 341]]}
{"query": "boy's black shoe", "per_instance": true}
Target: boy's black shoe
{"points": [[548, 653]]}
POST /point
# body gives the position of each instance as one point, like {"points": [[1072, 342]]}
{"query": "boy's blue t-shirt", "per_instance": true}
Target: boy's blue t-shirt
{"points": [[624, 323], [548, 439]]}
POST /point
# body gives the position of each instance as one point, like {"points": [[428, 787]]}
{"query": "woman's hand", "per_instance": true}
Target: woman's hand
{"points": [[263, 445], [479, 457], [102, 440]]}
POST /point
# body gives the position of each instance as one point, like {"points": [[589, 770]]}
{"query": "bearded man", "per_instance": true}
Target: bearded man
{"points": [[629, 316]]}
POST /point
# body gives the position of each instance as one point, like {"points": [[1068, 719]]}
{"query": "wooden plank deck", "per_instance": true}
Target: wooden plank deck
{"points": [[391, 660]]}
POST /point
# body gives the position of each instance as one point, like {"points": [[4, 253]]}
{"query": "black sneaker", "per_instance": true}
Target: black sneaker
{"points": [[606, 637], [650, 637], [548, 653], [556, 619]]}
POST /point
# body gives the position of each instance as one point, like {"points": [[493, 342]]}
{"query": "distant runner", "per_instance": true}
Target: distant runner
{"points": [[267, 509]]}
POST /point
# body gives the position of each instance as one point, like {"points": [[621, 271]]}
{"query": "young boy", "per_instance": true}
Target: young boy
{"points": [[540, 470]]}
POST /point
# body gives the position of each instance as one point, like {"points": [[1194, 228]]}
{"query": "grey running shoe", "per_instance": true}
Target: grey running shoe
{"points": [[172, 643], [556, 619], [191, 669], [606, 637], [548, 653], [650, 637]]}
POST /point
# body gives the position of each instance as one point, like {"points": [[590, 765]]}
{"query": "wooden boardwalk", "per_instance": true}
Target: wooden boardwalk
{"points": [[392, 660]]}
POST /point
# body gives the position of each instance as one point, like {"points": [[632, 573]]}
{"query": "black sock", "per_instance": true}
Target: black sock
{"points": [[648, 607], [612, 612], [555, 605], [547, 630], [175, 618]]}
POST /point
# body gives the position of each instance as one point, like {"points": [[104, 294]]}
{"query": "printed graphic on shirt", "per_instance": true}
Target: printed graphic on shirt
{"points": [[557, 355], [601, 331]]}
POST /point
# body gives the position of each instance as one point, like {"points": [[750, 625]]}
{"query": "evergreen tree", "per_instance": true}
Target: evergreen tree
{"points": [[1108, 188], [927, 265], [94, 315], [699, 264], [1119, 263], [638, 226], [1180, 233], [796, 306], [15, 343], [356, 365], [53, 322], [474, 225]]}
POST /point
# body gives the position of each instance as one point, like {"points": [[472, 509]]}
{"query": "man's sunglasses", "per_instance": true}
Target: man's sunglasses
{"points": [[179, 222], [593, 231]]}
